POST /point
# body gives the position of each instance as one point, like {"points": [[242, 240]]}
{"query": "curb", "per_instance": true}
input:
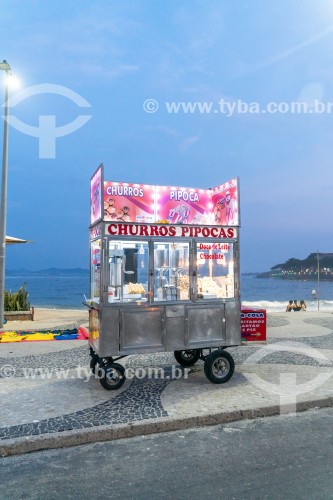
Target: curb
{"points": [[110, 433]]}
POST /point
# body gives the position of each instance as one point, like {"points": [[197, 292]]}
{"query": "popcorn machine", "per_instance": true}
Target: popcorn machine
{"points": [[164, 275]]}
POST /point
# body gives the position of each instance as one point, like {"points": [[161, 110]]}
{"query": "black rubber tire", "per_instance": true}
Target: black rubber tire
{"points": [[187, 358], [219, 367], [112, 376]]}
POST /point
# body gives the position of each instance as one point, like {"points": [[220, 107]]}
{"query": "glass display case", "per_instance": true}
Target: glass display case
{"points": [[95, 269], [171, 271], [128, 271], [132, 263], [215, 263]]}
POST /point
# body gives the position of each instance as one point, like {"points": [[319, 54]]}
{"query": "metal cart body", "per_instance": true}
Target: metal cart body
{"points": [[160, 286]]}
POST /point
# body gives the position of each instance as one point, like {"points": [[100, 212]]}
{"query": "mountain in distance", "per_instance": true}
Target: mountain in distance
{"points": [[51, 271], [303, 269]]}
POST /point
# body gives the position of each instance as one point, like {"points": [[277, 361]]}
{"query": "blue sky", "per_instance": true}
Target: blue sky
{"points": [[118, 54]]}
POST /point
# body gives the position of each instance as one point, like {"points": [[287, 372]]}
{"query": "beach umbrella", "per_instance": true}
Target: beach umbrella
{"points": [[10, 240]]}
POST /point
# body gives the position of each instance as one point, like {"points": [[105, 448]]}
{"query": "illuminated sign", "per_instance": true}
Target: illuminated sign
{"points": [[171, 231], [143, 203], [96, 195]]}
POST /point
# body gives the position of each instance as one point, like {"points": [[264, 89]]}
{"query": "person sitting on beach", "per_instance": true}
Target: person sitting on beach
{"points": [[296, 306], [289, 307], [303, 305]]}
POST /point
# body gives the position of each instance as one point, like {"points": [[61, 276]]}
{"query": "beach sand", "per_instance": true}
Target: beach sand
{"points": [[51, 319], [72, 318], [45, 319], [280, 326]]}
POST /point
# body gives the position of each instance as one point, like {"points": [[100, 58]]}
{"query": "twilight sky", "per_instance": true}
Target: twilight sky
{"points": [[116, 55]]}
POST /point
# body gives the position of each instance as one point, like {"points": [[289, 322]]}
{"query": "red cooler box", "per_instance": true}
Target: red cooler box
{"points": [[253, 325]]}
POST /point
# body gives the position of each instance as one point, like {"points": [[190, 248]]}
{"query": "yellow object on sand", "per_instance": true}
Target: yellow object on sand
{"points": [[10, 337], [14, 337], [40, 336]]}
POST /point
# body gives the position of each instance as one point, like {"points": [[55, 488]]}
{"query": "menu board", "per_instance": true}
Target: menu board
{"points": [[253, 325]]}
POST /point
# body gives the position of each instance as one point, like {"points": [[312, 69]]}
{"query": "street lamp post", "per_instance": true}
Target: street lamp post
{"points": [[318, 272], [3, 213]]}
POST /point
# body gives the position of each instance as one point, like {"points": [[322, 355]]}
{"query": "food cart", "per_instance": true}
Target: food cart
{"points": [[164, 275]]}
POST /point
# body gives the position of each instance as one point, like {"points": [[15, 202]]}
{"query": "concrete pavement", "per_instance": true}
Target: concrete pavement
{"points": [[273, 458], [50, 400]]}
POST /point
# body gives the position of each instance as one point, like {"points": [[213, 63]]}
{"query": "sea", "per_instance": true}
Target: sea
{"points": [[69, 291]]}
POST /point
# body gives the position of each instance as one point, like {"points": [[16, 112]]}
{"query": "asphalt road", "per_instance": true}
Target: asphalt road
{"points": [[276, 458]]}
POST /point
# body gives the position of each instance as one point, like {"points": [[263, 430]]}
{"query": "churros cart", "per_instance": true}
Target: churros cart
{"points": [[164, 275]]}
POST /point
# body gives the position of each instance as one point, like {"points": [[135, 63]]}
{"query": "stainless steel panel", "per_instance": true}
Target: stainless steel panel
{"points": [[175, 327], [109, 336], [175, 311], [233, 322], [204, 325], [142, 328], [175, 333]]}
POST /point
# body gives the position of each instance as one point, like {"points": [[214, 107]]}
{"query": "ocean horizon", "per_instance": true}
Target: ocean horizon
{"points": [[63, 288]]}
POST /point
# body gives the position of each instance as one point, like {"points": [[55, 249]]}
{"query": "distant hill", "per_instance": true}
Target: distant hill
{"points": [[303, 269], [311, 262], [51, 271]]}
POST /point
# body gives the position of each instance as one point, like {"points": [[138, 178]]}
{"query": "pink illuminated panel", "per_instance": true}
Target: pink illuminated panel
{"points": [[225, 204], [179, 205], [125, 202], [96, 196], [139, 203]]}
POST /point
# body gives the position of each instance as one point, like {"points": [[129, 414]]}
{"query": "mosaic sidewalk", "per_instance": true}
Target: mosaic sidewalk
{"points": [[45, 406]]}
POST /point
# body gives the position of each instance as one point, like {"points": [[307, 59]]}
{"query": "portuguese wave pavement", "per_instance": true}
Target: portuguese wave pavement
{"points": [[50, 399]]}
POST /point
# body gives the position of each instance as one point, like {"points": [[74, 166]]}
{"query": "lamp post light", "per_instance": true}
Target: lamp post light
{"points": [[3, 212]]}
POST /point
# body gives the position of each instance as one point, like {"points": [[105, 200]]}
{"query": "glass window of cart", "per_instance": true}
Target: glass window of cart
{"points": [[95, 271], [128, 271], [171, 268], [215, 267]]}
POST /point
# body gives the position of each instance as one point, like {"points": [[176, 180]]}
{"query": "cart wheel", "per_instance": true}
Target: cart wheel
{"points": [[112, 376], [187, 358], [219, 366]]}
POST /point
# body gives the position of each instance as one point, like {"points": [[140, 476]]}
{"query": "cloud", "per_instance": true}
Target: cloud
{"points": [[202, 25], [89, 36], [186, 57], [188, 142], [184, 143], [243, 69], [171, 132], [299, 46], [101, 70]]}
